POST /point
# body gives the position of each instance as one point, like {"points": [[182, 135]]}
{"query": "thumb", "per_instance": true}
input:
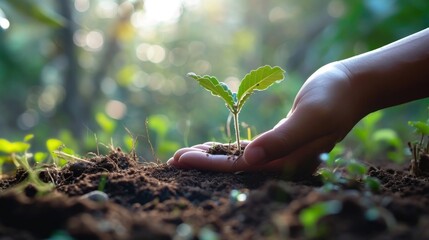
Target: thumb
{"points": [[287, 136], [266, 147]]}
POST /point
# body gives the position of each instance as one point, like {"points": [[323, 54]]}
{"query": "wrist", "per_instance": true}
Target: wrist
{"points": [[356, 92]]}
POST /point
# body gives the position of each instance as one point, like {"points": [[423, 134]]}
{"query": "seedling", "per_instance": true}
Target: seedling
{"points": [[310, 217], [17, 152], [257, 80], [420, 149], [373, 140], [338, 172]]}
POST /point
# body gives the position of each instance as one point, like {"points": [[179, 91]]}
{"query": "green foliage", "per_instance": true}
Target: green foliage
{"points": [[374, 140], [13, 147], [420, 149], [17, 152], [310, 217], [420, 127], [161, 125], [216, 88], [107, 124], [336, 172], [102, 183], [55, 146], [257, 80]]}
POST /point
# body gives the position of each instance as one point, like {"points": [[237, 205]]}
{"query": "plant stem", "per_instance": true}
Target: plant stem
{"points": [[237, 131]]}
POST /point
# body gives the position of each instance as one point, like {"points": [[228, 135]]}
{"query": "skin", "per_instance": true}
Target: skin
{"points": [[332, 100]]}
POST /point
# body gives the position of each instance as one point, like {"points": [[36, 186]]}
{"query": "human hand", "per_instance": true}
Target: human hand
{"points": [[324, 111]]}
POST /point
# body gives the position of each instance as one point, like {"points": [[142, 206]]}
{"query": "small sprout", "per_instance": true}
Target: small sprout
{"points": [[420, 149], [310, 217], [257, 80], [420, 127], [102, 183], [372, 184], [17, 152], [356, 169], [338, 172]]}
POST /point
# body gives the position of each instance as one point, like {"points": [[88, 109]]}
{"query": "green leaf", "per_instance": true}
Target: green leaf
{"points": [[40, 157], [159, 123], [356, 169], [310, 216], [13, 147], [28, 137], [108, 125], [216, 88], [372, 119], [387, 135], [258, 80], [372, 184], [421, 127], [53, 144]]}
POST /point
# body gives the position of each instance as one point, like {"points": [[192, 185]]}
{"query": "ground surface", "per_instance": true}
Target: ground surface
{"points": [[149, 201]]}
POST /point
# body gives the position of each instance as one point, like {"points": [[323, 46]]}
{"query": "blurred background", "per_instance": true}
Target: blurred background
{"points": [[112, 71]]}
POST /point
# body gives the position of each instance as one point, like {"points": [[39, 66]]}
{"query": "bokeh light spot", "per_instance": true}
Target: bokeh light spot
{"points": [[94, 40], [141, 51], [107, 9], [81, 5], [162, 11], [28, 119], [232, 83], [116, 109], [155, 53], [4, 23]]}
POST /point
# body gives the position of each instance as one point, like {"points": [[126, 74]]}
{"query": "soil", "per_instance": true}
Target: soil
{"points": [[156, 201]]}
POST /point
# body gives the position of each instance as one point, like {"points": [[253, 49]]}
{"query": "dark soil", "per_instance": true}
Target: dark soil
{"points": [[156, 201]]}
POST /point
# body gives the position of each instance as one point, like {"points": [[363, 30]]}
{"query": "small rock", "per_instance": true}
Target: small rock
{"points": [[96, 196]]}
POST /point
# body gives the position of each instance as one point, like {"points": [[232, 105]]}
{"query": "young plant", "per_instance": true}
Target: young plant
{"points": [[257, 80], [17, 152], [337, 172], [374, 140], [420, 149]]}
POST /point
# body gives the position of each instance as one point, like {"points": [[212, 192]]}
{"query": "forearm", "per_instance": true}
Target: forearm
{"points": [[391, 75]]}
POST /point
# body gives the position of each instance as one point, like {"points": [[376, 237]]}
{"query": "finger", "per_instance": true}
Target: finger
{"points": [[304, 160], [219, 163], [211, 143], [299, 129], [175, 159], [172, 162], [203, 147]]}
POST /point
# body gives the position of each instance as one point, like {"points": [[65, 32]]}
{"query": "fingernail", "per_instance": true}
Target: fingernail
{"points": [[254, 155]]}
